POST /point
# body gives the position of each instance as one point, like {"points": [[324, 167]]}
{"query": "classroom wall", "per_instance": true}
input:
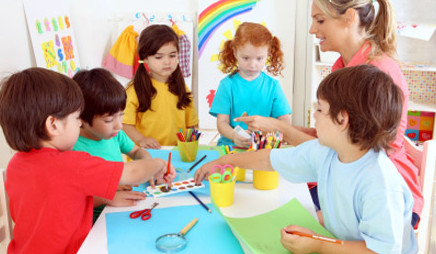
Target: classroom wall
{"points": [[94, 23]]}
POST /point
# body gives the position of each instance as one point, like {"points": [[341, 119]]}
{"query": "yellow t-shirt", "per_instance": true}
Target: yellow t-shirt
{"points": [[164, 119]]}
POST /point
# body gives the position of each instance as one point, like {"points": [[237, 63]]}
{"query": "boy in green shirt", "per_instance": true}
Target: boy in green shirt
{"points": [[101, 133]]}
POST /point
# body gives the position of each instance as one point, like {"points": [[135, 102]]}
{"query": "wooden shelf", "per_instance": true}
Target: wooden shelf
{"points": [[422, 107], [405, 67]]}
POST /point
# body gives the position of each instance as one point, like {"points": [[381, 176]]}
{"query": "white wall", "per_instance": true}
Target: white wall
{"points": [[93, 22]]}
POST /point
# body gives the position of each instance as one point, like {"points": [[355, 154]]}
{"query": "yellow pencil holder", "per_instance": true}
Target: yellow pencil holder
{"points": [[240, 174], [187, 150], [265, 180], [222, 193]]}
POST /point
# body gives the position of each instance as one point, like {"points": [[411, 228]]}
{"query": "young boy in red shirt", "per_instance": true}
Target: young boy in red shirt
{"points": [[51, 188]]}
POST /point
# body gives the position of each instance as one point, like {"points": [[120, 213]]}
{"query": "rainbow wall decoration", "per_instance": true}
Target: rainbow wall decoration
{"points": [[216, 14]]}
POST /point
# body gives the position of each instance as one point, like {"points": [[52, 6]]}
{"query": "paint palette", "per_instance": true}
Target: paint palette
{"points": [[179, 186]]}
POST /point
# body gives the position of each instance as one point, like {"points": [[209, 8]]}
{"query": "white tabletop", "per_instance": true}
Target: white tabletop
{"points": [[248, 201]]}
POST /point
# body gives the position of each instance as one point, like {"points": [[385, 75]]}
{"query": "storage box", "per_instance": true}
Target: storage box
{"points": [[420, 125]]}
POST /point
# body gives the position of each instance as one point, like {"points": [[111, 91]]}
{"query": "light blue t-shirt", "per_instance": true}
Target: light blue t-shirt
{"points": [[262, 96], [365, 200], [108, 149]]}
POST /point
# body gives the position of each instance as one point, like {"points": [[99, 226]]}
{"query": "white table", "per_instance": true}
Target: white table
{"points": [[248, 201]]}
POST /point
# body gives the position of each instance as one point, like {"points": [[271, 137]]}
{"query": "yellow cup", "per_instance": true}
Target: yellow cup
{"points": [[240, 174], [187, 150], [222, 193], [265, 180]]}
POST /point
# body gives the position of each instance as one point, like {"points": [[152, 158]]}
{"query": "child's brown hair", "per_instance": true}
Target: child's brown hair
{"points": [[258, 36], [372, 101], [151, 40], [28, 98], [103, 94]]}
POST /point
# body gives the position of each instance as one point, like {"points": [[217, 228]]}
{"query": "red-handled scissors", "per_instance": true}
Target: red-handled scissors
{"points": [[145, 214]]}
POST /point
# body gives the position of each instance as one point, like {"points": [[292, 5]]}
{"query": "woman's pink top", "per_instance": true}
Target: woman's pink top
{"points": [[398, 154]]}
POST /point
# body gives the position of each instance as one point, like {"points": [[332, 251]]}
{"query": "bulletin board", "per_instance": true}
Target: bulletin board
{"points": [[217, 22], [52, 36]]}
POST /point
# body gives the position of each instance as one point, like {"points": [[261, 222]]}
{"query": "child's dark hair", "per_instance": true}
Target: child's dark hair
{"points": [[258, 36], [103, 94], [28, 98], [371, 99], [151, 40]]}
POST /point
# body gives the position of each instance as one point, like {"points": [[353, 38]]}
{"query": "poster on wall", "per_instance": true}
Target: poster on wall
{"points": [[51, 32], [217, 23]]}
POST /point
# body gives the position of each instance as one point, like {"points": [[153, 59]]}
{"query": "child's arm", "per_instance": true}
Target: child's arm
{"points": [[138, 138], [292, 135], [224, 128], [138, 153], [140, 171], [257, 160], [302, 244], [121, 198]]}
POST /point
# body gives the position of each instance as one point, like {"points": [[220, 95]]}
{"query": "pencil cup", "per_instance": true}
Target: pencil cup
{"points": [[240, 174], [187, 150], [222, 193], [265, 180]]}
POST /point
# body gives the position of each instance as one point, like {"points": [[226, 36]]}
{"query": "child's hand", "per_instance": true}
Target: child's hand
{"points": [[124, 187], [126, 198], [152, 183], [241, 141], [149, 142], [204, 172], [170, 177], [162, 177], [299, 244]]}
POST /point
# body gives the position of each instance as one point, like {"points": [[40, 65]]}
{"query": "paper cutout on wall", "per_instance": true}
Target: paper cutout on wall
{"points": [[416, 31], [53, 43], [216, 14]]}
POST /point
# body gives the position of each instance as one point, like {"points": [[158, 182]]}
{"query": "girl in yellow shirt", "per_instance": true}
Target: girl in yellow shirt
{"points": [[158, 101]]}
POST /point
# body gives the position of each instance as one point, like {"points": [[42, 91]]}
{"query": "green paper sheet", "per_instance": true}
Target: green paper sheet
{"points": [[261, 233]]}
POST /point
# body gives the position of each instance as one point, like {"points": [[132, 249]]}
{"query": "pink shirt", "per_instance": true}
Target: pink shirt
{"points": [[398, 154]]}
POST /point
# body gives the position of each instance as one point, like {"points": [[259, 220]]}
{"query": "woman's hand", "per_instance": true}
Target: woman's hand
{"points": [[256, 123]]}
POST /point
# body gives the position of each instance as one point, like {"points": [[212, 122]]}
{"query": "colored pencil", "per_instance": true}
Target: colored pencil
{"points": [[316, 237], [195, 164], [199, 201]]}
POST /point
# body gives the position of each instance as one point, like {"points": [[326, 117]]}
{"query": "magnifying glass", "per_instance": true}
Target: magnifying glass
{"points": [[170, 243]]}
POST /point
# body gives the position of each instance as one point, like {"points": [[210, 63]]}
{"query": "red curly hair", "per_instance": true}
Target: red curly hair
{"points": [[257, 35]]}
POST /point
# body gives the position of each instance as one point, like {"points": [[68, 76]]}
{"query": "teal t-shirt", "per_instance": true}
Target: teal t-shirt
{"points": [[108, 149], [262, 96]]}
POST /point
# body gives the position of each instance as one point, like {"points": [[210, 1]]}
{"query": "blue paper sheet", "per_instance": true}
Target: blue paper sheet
{"points": [[178, 163], [211, 234]]}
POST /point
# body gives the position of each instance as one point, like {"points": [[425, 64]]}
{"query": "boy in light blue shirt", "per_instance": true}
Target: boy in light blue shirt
{"points": [[364, 200], [101, 134]]}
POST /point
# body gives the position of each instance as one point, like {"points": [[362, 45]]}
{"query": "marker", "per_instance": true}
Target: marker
{"points": [[195, 164], [199, 201], [316, 237]]}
